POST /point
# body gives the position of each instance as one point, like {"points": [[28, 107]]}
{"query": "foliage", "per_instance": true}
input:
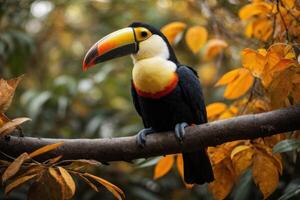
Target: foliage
{"points": [[49, 179], [249, 50]]}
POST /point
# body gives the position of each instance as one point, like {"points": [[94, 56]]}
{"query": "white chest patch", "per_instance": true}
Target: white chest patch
{"points": [[153, 75]]}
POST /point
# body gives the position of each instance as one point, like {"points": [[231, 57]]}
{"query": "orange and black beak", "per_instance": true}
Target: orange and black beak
{"points": [[116, 44]]}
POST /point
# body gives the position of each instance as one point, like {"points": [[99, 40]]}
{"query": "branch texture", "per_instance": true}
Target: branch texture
{"points": [[125, 148]]}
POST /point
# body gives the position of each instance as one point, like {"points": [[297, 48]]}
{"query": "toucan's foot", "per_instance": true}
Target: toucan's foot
{"points": [[141, 136], [179, 130]]}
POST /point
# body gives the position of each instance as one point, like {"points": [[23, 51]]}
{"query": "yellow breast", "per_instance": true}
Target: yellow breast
{"points": [[153, 75]]}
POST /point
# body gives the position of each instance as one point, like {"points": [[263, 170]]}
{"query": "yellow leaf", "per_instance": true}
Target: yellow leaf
{"points": [[223, 183], [14, 167], [265, 174], [196, 37], [240, 85], [215, 109], [252, 9], [253, 61], [249, 29], [18, 182], [163, 166], [173, 30], [228, 77], [241, 157], [207, 73], [69, 182], [213, 48], [7, 90], [10, 126], [45, 149], [117, 192]]}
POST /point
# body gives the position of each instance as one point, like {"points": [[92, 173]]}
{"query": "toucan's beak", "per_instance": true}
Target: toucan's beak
{"points": [[116, 44]]}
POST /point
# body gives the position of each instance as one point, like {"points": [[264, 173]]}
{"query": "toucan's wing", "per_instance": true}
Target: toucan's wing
{"points": [[192, 92], [135, 100]]}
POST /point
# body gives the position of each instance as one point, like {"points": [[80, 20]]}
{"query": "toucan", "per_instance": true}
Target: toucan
{"points": [[166, 94]]}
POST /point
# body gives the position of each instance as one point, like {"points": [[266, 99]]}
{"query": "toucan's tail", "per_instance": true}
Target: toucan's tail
{"points": [[197, 167]]}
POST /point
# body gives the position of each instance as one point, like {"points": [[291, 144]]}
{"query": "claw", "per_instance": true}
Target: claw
{"points": [[179, 131], [141, 136]]}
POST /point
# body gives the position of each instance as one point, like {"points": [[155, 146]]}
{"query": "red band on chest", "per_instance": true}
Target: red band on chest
{"points": [[169, 88]]}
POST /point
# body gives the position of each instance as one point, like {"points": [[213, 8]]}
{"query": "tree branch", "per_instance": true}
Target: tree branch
{"points": [[125, 148]]}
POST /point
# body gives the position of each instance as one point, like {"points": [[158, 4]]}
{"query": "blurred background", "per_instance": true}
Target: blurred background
{"points": [[47, 40]]}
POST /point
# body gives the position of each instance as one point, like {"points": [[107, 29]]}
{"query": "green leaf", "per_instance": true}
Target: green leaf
{"points": [[286, 145]]}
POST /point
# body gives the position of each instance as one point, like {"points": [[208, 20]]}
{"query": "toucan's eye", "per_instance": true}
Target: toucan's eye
{"points": [[144, 33]]}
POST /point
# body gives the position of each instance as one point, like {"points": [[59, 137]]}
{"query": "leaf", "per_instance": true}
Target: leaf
{"points": [[94, 187], [7, 90], [265, 174], [279, 88], [82, 164], [213, 48], [163, 166], [238, 83], [45, 149], [8, 127], [18, 182], [253, 61], [196, 37], [207, 73], [53, 160], [286, 145], [57, 186], [69, 182], [241, 157], [14, 167], [224, 181], [117, 192], [228, 77], [173, 30], [215, 109], [253, 9]]}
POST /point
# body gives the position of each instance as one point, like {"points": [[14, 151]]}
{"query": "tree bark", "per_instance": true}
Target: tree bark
{"points": [[125, 148]]}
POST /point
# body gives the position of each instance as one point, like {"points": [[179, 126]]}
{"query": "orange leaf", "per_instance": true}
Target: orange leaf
{"points": [[228, 77], [7, 91], [14, 167], [253, 61], [240, 85], [265, 174], [224, 181], [117, 192], [173, 30], [196, 37], [45, 149], [10, 126], [241, 157], [213, 48], [163, 166], [252, 9], [215, 109]]}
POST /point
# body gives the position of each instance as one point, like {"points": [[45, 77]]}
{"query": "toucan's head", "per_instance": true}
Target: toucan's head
{"points": [[138, 39]]}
